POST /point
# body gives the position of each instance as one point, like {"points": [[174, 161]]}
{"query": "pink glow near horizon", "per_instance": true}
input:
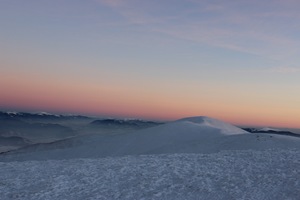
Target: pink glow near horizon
{"points": [[35, 93]]}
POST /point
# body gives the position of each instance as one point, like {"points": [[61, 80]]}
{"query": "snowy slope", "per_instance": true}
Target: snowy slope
{"points": [[243, 175], [208, 122], [189, 135]]}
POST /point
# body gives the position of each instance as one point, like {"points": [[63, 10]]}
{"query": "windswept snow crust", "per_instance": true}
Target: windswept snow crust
{"points": [[244, 175]]}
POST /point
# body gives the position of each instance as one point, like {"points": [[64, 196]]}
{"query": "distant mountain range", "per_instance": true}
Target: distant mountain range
{"points": [[35, 116], [22, 129], [124, 123], [271, 131], [19, 130], [189, 135]]}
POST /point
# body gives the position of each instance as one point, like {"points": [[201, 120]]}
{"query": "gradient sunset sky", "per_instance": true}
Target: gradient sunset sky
{"points": [[238, 61]]}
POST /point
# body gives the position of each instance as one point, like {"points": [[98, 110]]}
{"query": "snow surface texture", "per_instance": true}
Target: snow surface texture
{"points": [[268, 175]]}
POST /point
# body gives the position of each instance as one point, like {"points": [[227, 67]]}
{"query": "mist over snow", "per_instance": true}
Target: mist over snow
{"points": [[188, 135]]}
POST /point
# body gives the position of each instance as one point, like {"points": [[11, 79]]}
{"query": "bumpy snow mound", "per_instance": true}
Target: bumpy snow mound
{"points": [[225, 128], [251, 175]]}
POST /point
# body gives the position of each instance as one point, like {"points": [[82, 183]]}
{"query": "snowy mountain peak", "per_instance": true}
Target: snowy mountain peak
{"points": [[43, 113], [269, 129], [12, 113], [47, 114], [224, 127], [200, 120]]}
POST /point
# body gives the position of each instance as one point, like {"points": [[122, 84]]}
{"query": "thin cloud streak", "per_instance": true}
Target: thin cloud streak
{"points": [[246, 31]]}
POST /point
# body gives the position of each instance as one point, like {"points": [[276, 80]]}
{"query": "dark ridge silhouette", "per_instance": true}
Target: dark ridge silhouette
{"points": [[278, 132], [124, 123], [36, 116]]}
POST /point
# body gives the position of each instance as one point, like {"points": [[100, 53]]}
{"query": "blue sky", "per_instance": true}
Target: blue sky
{"points": [[226, 59]]}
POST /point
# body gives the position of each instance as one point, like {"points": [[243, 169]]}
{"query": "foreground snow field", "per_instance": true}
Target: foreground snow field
{"points": [[245, 174]]}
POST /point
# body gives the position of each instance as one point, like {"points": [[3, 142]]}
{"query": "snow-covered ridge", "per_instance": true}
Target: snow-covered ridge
{"points": [[12, 113], [24, 114], [46, 113], [265, 129], [269, 129], [188, 135], [123, 122], [27, 115], [204, 121]]}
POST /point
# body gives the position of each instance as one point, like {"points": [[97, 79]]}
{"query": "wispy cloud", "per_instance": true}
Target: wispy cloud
{"points": [[255, 27]]}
